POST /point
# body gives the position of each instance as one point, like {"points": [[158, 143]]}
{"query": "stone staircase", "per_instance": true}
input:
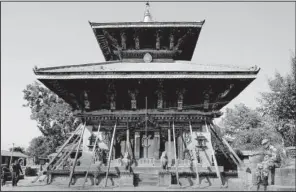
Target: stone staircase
{"points": [[145, 179]]}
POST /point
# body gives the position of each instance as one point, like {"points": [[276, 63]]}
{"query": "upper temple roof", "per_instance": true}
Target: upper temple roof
{"points": [[163, 40]]}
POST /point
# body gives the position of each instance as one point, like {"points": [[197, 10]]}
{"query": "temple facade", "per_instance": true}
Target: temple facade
{"points": [[150, 90]]}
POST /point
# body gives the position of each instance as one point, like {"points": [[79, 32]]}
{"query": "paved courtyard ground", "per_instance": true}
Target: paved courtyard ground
{"points": [[26, 185]]}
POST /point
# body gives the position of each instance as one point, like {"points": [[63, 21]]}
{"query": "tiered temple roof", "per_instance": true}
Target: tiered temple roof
{"points": [[140, 55]]}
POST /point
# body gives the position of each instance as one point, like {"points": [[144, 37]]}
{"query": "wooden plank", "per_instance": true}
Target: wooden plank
{"points": [[214, 157], [194, 156], [61, 149], [176, 160], [110, 153], [93, 152], [76, 155]]}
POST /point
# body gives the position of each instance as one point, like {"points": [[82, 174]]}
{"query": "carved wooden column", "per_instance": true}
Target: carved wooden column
{"points": [[137, 145], [86, 103], [133, 94], [157, 45], [156, 144], [137, 40], [172, 39], [123, 40], [160, 94], [111, 94], [180, 95]]}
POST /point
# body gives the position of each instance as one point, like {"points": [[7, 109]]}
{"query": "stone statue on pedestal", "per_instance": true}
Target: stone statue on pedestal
{"points": [[126, 161], [164, 160]]}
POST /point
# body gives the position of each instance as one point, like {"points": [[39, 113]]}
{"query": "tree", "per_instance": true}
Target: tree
{"points": [[247, 128], [18, 149], [38, 147], [53, 115], [280, 104]]}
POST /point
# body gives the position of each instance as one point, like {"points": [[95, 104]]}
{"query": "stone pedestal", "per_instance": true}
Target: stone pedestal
{"points": [[164, 178], [126, 179], [285, 176]]}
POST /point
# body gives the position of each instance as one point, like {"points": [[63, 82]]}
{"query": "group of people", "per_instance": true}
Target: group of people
{"points": [[270, 162], [14, 172]]}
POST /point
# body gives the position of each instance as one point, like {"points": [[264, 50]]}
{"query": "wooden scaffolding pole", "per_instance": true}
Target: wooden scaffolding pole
{"points": [[221, 143], [194, 156], [176, 160], [230, 148], [61, 149], [76, 155], [214, 157], [93, 153], [60, 163], [110, 152], [63, 157]]}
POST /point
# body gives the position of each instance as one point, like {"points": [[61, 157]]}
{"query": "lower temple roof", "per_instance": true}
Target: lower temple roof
{"points": [[173, 69]]}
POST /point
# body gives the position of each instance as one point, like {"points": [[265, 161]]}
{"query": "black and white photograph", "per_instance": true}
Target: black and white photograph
{"points": [[148, 96]]}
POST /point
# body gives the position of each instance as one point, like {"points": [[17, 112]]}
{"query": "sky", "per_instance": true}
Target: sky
{"points": [[48, 34]]}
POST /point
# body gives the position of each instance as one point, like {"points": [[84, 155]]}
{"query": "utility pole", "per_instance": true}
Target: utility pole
{"points": [[11, 154]]}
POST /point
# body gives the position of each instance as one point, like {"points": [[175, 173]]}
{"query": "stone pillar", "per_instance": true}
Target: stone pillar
{"points": [[156, 145], [137, 145], [170, 148]]}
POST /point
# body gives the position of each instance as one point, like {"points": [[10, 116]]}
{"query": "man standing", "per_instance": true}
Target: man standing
{"points": [[274, 158], [16, 169]]}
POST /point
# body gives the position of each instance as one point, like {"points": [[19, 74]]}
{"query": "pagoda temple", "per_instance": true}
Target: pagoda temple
{"points": [[161, 104]]}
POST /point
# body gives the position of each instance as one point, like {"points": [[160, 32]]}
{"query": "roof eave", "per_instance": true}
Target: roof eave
{"points": [[146, 24]]}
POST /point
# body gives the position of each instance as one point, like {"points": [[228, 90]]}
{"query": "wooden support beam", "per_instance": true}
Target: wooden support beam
{"points": [[214, 157], [76, 155], [61, 149], [65, 155], [93, 152], [176, 159], [110, 153], [222, 143], [194, 156]]}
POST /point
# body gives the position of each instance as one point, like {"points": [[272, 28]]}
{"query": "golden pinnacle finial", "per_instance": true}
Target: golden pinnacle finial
{"points": [[147, 15]]}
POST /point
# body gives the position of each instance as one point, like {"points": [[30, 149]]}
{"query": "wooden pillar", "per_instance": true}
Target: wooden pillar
{"points": [[169, 146], [137, 145], [127, 144], [156, 145]]}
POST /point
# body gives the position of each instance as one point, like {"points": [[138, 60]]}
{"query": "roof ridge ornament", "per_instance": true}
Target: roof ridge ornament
{"points": [[147, 14]]}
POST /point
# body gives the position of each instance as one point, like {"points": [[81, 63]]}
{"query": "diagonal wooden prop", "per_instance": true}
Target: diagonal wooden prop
{"points": [[61, 149], [194, 156], [93, 153], [76, 155], [110, 153]]}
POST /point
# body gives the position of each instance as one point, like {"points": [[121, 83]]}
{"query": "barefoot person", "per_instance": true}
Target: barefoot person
{"points": [[273, 155]]}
